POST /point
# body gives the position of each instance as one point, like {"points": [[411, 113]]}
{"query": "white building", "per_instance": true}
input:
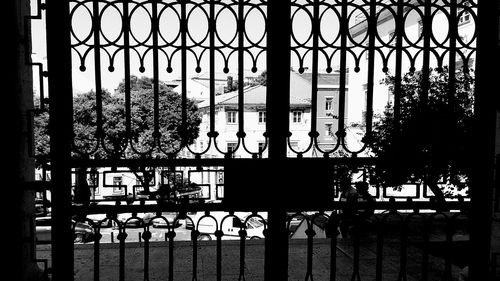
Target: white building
{"points": [[198, 87], [412, 42], [227, 123]]}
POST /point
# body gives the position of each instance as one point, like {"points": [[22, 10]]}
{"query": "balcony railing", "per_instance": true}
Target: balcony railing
{"points": [[405, 240]]}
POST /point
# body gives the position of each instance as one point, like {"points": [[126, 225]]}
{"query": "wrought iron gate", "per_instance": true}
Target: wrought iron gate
{"points": [[343, 38]]}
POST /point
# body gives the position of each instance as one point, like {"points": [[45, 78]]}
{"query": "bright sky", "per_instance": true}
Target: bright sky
{"points": [[169, 26], [84, 81]]}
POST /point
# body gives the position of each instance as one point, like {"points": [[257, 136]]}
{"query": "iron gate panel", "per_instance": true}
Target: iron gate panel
{"points": [[353, 47]]}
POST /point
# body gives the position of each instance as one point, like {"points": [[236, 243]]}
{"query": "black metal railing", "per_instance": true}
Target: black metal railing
{"points": [[401, 239], [116, 40]]}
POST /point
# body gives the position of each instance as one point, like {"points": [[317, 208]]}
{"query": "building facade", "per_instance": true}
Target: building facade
{"points": [[412, 39], [227, 118]]}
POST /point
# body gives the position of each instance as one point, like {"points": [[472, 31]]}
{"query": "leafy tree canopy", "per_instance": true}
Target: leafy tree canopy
{"points": [[431, 139], [150, 130]]}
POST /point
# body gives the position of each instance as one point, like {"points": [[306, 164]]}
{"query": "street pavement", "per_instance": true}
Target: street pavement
{"points": [[158, 268], [183, 269]]}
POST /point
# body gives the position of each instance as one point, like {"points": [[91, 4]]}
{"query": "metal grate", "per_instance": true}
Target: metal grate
{"points": [[322, 58]]}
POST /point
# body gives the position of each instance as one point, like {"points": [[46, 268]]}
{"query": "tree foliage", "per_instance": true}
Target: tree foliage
{"points": [[431, 140], [148, 136]]}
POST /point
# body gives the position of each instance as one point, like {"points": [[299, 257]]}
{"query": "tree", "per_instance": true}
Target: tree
{"points": [[233, 84], [261, 79], [142, 141], [430, 141]]}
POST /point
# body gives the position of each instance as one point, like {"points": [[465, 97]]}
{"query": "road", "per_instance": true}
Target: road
{"points": [[110, 234]]}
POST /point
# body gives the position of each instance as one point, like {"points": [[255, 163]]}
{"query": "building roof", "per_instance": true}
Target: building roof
{"points": [[300, 91], [254, 95], [222, 77], [361, 27], [324, 79]]}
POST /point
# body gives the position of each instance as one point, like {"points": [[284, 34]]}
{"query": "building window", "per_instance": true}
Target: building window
{"points": [[294, 146], [297, 116], [117, 184], [262, 117], [231, 117], [464, 14], [328, 130], [329, 104], [262, 145], [359, 18], [231, 147], [391, 34], [464, 17], [117, 181], [420, 27]]}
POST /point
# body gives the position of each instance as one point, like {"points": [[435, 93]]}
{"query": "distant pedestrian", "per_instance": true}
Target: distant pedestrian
{"points": [[365, 213], [464, 274], [365, 196], [349, 195]]}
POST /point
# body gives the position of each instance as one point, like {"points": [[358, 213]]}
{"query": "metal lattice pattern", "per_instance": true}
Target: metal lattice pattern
{"points": [[351, 39]]}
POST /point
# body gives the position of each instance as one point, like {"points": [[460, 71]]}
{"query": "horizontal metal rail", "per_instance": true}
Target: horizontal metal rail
{"points": [[408, 245], [391, 205]]}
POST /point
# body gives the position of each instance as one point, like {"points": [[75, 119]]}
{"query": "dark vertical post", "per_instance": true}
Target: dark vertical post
{"points": [[482, 181], [344, 30], [372, 30], [61, 107], [278, 107], [314, 87], [17, 95], [241, 61]]}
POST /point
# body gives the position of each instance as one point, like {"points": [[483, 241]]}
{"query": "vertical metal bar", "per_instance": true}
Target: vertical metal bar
{"points": [[344, 29], [61, 129], [156, 106], [241, 52], [212, 65], [372, 30], [482, 179], [310, 235], [314, 86], [126, 53], [333, 254], [278, 77], [380, 250], [171, 235], [497, 184], [452, 58], [146, 236], [97, 254], [403, 256], [449, 238], [194, 240], [218, 234], [184, 30], [243, 235], [96, 27], [277, 127], [427, 31], [425, 250], [398, 72], [356, 246], [122, 235]]}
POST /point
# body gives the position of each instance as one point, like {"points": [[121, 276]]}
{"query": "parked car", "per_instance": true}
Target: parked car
{"points": [[101, 219], [42, 207], [83, 231], [231, 226], [171, 217]]}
